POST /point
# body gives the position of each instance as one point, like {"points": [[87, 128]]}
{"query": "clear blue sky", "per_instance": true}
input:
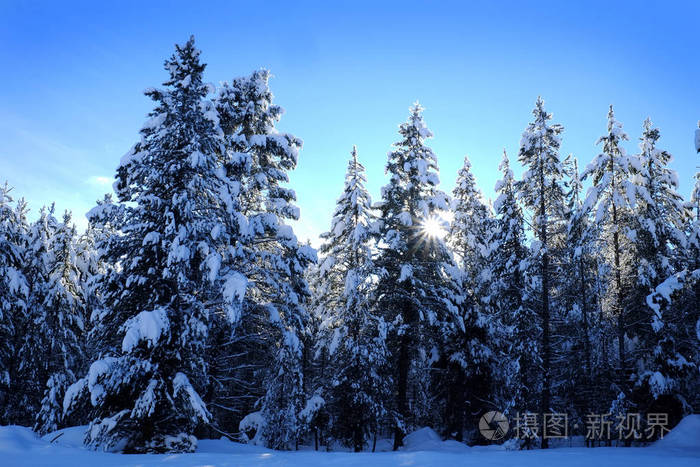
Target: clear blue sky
{"points": [[73, 73]]}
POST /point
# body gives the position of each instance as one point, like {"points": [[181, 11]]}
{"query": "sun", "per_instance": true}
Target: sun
{"points": [[433, 227]]}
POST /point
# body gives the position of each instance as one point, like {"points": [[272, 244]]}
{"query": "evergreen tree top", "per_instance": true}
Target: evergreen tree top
{"points": [[612, 173], [542, 180], [654, 161], [539, 133], [414, 171], [611, 141], [246, 105], [466, 183], [352, 217], [505, 186], [415, 126], [184, 66]]}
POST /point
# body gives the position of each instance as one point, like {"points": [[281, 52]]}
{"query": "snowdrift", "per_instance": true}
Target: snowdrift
{"points": [[685, 435], [72, 437], [18, 439], [425, 439], [20, 447]]}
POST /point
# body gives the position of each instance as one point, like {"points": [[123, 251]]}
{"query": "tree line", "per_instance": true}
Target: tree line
{"points": [[188, 308]]}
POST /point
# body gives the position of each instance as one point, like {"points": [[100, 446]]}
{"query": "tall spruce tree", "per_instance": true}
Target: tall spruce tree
{"points": [[579, 301], [508, 304], [145, 384], [612, 198], [14, 293], [353, 336], [275, 303], [59, 326], [467, 351], [39, 261], [660, 245], [417, 289], [541, 189]]}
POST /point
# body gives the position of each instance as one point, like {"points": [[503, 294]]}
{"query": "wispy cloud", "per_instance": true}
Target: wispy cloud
{"points": [[99, 180]]}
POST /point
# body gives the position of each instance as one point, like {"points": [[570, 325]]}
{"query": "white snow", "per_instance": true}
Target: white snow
{"points": [[312, 406], [253, 421], [235, 286], [146, 326], [19, 446], [425, 439], [98, 369], [685, 435], [72, 437], [406, 272], [182, 387]]}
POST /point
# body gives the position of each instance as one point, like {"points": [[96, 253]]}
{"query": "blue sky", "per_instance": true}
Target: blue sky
{"points": [[71, 101]]}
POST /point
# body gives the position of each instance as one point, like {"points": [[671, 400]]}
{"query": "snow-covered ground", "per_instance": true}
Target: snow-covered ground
{"points": [[19, 446]]}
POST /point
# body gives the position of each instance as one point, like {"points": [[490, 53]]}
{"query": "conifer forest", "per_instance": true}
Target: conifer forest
{"points": [[188, 309]]}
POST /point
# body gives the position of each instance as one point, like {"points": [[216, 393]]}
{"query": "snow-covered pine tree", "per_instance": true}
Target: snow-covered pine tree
{"points": [[275, 304], [353, 337], [579, 300], [101, 237], [316, 360], [417, 290], [92, 269], [660, 218], [469, 231], [581, 261], [39, 260], [58, 325], [508, 305], [541, 189], [692, 265], [465, 379], [612, 199], [144, 386], [13, 303]]}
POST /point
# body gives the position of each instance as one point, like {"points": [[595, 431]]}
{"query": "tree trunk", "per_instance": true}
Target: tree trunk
{"points": [[359, 439], [544, 401], [620, 300], [402, 386], [584, 310]]}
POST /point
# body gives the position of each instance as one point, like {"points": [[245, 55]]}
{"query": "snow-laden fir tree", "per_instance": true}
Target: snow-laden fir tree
{"points": [[580, 242], [353, 336], [659, 217], [90, 249], [469, 231], [542, 192], [13, 303], [507, 302], [100, 238], [316, 360], [579, 300], [417, 290], [92, 269], [692, 262], [58, 324], [612, 198], [465, 379], [145, 384], [38, 263], [664, 363], [275, 304]]}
